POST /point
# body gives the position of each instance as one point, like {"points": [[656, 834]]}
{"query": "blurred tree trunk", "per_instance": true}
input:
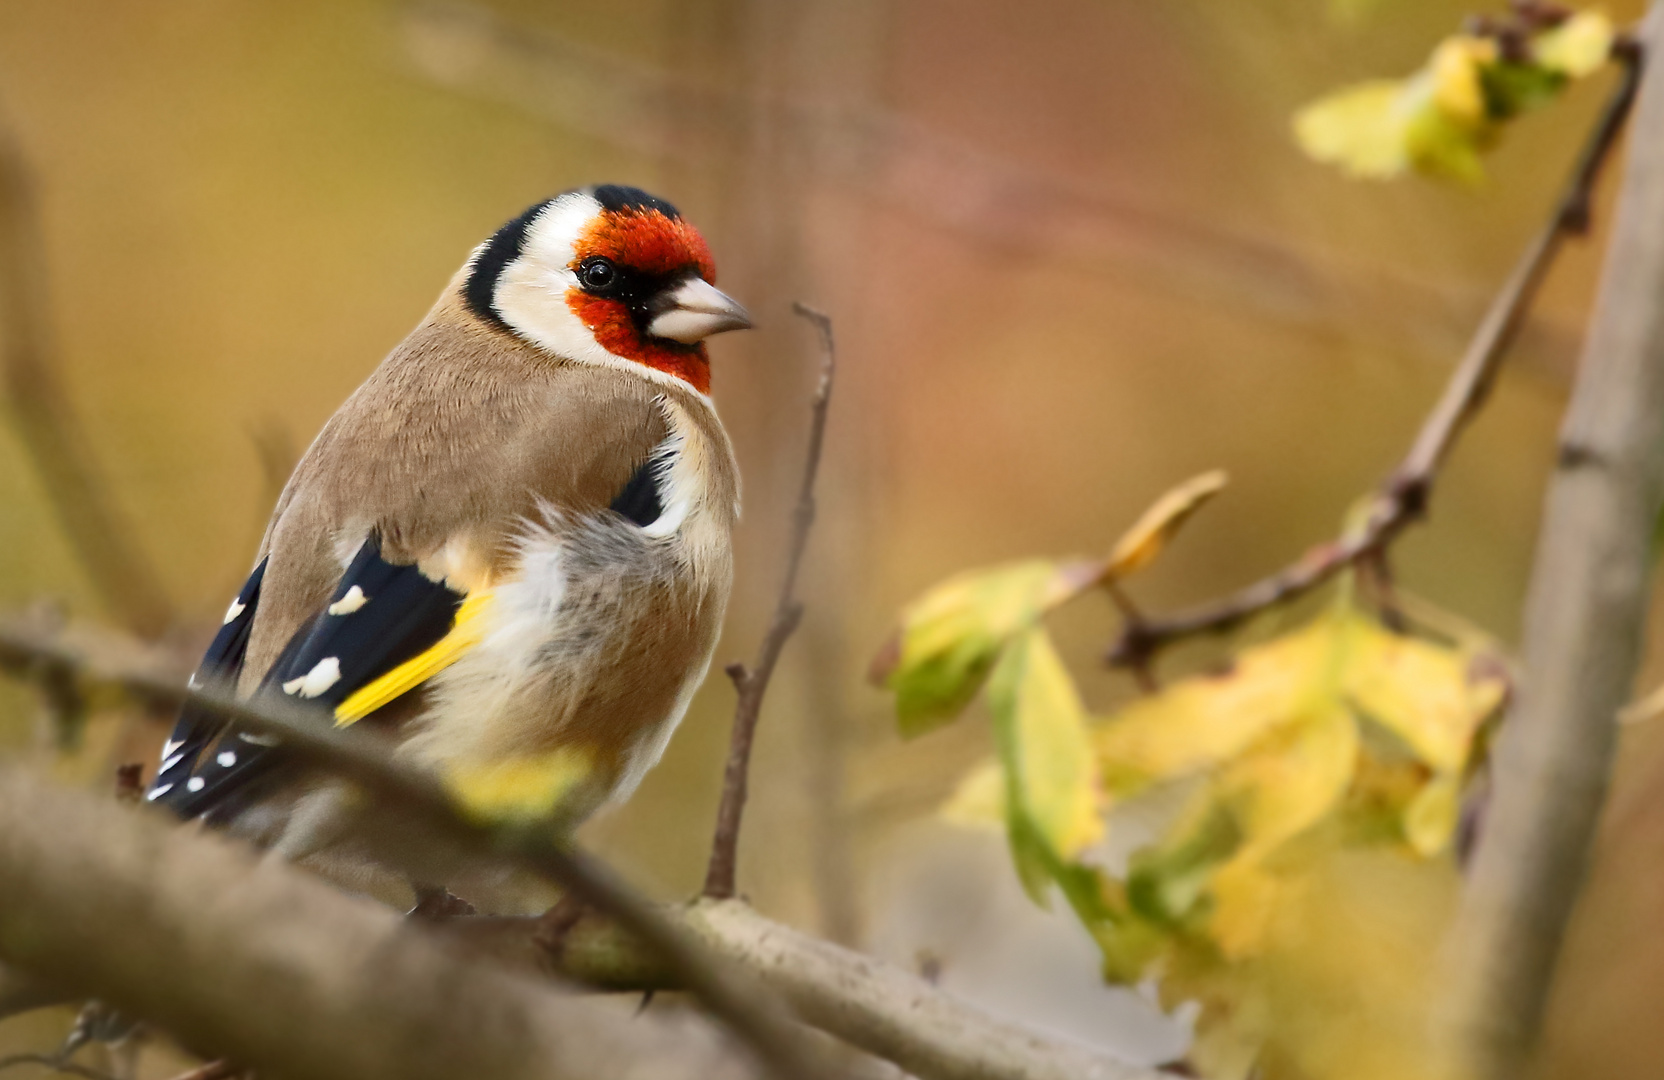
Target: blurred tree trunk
{"points": [[1585, 618]]}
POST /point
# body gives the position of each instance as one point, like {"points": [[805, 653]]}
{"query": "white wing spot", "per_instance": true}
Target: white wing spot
{"points": [[170, 746], [349, 603], [172, 761], [237, 608], [157, 793], [294, 685], [227, 759], [193, 683], [195, 783], [257, 740], [324, 675]]}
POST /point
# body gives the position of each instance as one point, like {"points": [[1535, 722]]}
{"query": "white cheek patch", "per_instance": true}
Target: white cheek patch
{"points": [[531, 293]]}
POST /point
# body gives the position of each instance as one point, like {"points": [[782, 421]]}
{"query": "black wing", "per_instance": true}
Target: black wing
{"points": [[379, 616], [223, 661]]}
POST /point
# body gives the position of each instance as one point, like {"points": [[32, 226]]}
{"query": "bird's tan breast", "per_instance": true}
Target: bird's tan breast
{"points": [[457, 443]]}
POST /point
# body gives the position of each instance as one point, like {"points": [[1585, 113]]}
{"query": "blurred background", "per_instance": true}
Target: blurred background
{"points": [[1073, 257]]}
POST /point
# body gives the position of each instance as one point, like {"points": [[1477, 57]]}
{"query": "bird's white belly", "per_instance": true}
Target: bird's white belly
{"points": [[595, 645]]}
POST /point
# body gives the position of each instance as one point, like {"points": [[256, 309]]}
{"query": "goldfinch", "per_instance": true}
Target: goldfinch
{"points": [[509, 550]]}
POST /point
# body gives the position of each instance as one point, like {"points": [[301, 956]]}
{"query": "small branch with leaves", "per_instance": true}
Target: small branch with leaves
{"points": [[1403, 498]]}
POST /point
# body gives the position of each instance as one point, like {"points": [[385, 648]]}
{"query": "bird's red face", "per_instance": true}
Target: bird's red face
{"points": [[607, 275], [624, 261]]}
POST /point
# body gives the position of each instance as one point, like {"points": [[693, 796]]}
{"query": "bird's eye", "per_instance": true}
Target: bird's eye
{"points": [[598, 275]]}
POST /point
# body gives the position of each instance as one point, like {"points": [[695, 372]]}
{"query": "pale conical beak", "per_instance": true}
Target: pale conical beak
{"points": [[693, 311]]}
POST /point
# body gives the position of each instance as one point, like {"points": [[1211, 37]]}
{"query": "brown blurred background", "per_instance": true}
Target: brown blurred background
{"points": [[1073, 257]]}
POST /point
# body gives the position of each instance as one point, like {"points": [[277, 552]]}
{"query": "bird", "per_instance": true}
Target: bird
{"points": [[508, 553]]}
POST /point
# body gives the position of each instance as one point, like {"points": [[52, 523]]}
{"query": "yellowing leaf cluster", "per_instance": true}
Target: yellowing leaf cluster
{"points": [[1439, 120], [1340, 736]]}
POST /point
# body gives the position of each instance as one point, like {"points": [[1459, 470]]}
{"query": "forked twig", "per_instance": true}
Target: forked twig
{"points": [[1402, 499], [752, 683]]}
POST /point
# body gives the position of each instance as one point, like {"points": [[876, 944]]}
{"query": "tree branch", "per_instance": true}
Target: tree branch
{"points": [[1402, 499], [872, 1005], [268, 965], [97, 530], [418, 800], [1585, 618], [752, 683]]}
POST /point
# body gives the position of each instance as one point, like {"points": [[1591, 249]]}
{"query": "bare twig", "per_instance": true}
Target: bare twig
{"points": [[1585, 619], [418, 798], [96, 528], [752, 683], [1403, 498]]}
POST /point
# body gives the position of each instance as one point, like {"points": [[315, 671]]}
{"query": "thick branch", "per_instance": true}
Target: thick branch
{"points": [[101, 535], [873, 1006], [418, 801], [752, 683], [1402, 499], [867, 1003], [1585, 618], [267, 965]]}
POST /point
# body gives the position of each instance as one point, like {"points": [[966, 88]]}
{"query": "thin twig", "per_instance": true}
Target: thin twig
{"points": [[752, 683], [100, 534], [1402, 499], [55, 1063], [417, 797]]}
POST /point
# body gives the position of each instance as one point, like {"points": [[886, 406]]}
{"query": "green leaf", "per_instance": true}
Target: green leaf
{"points": [[951, 636], [1051, 777], [1167, 881], [1512, 88]]}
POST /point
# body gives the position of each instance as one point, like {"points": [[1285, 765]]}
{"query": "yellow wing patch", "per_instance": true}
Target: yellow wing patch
{"points": [[465, 633]]}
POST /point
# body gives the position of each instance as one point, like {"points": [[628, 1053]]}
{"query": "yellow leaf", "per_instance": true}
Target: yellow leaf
{"points": [[1290, 782], [1199, 722], [1361, 129], [1578, 47], [1245, 897], [979, 800], [951, 636], [1425, 694], [529, 788], [1139, 546], [1051, 776], [1431, 817], [1455, 69], [1439, 143]]}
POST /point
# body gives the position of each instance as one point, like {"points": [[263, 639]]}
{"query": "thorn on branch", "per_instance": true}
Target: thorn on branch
{"points": [[751, 684]]}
